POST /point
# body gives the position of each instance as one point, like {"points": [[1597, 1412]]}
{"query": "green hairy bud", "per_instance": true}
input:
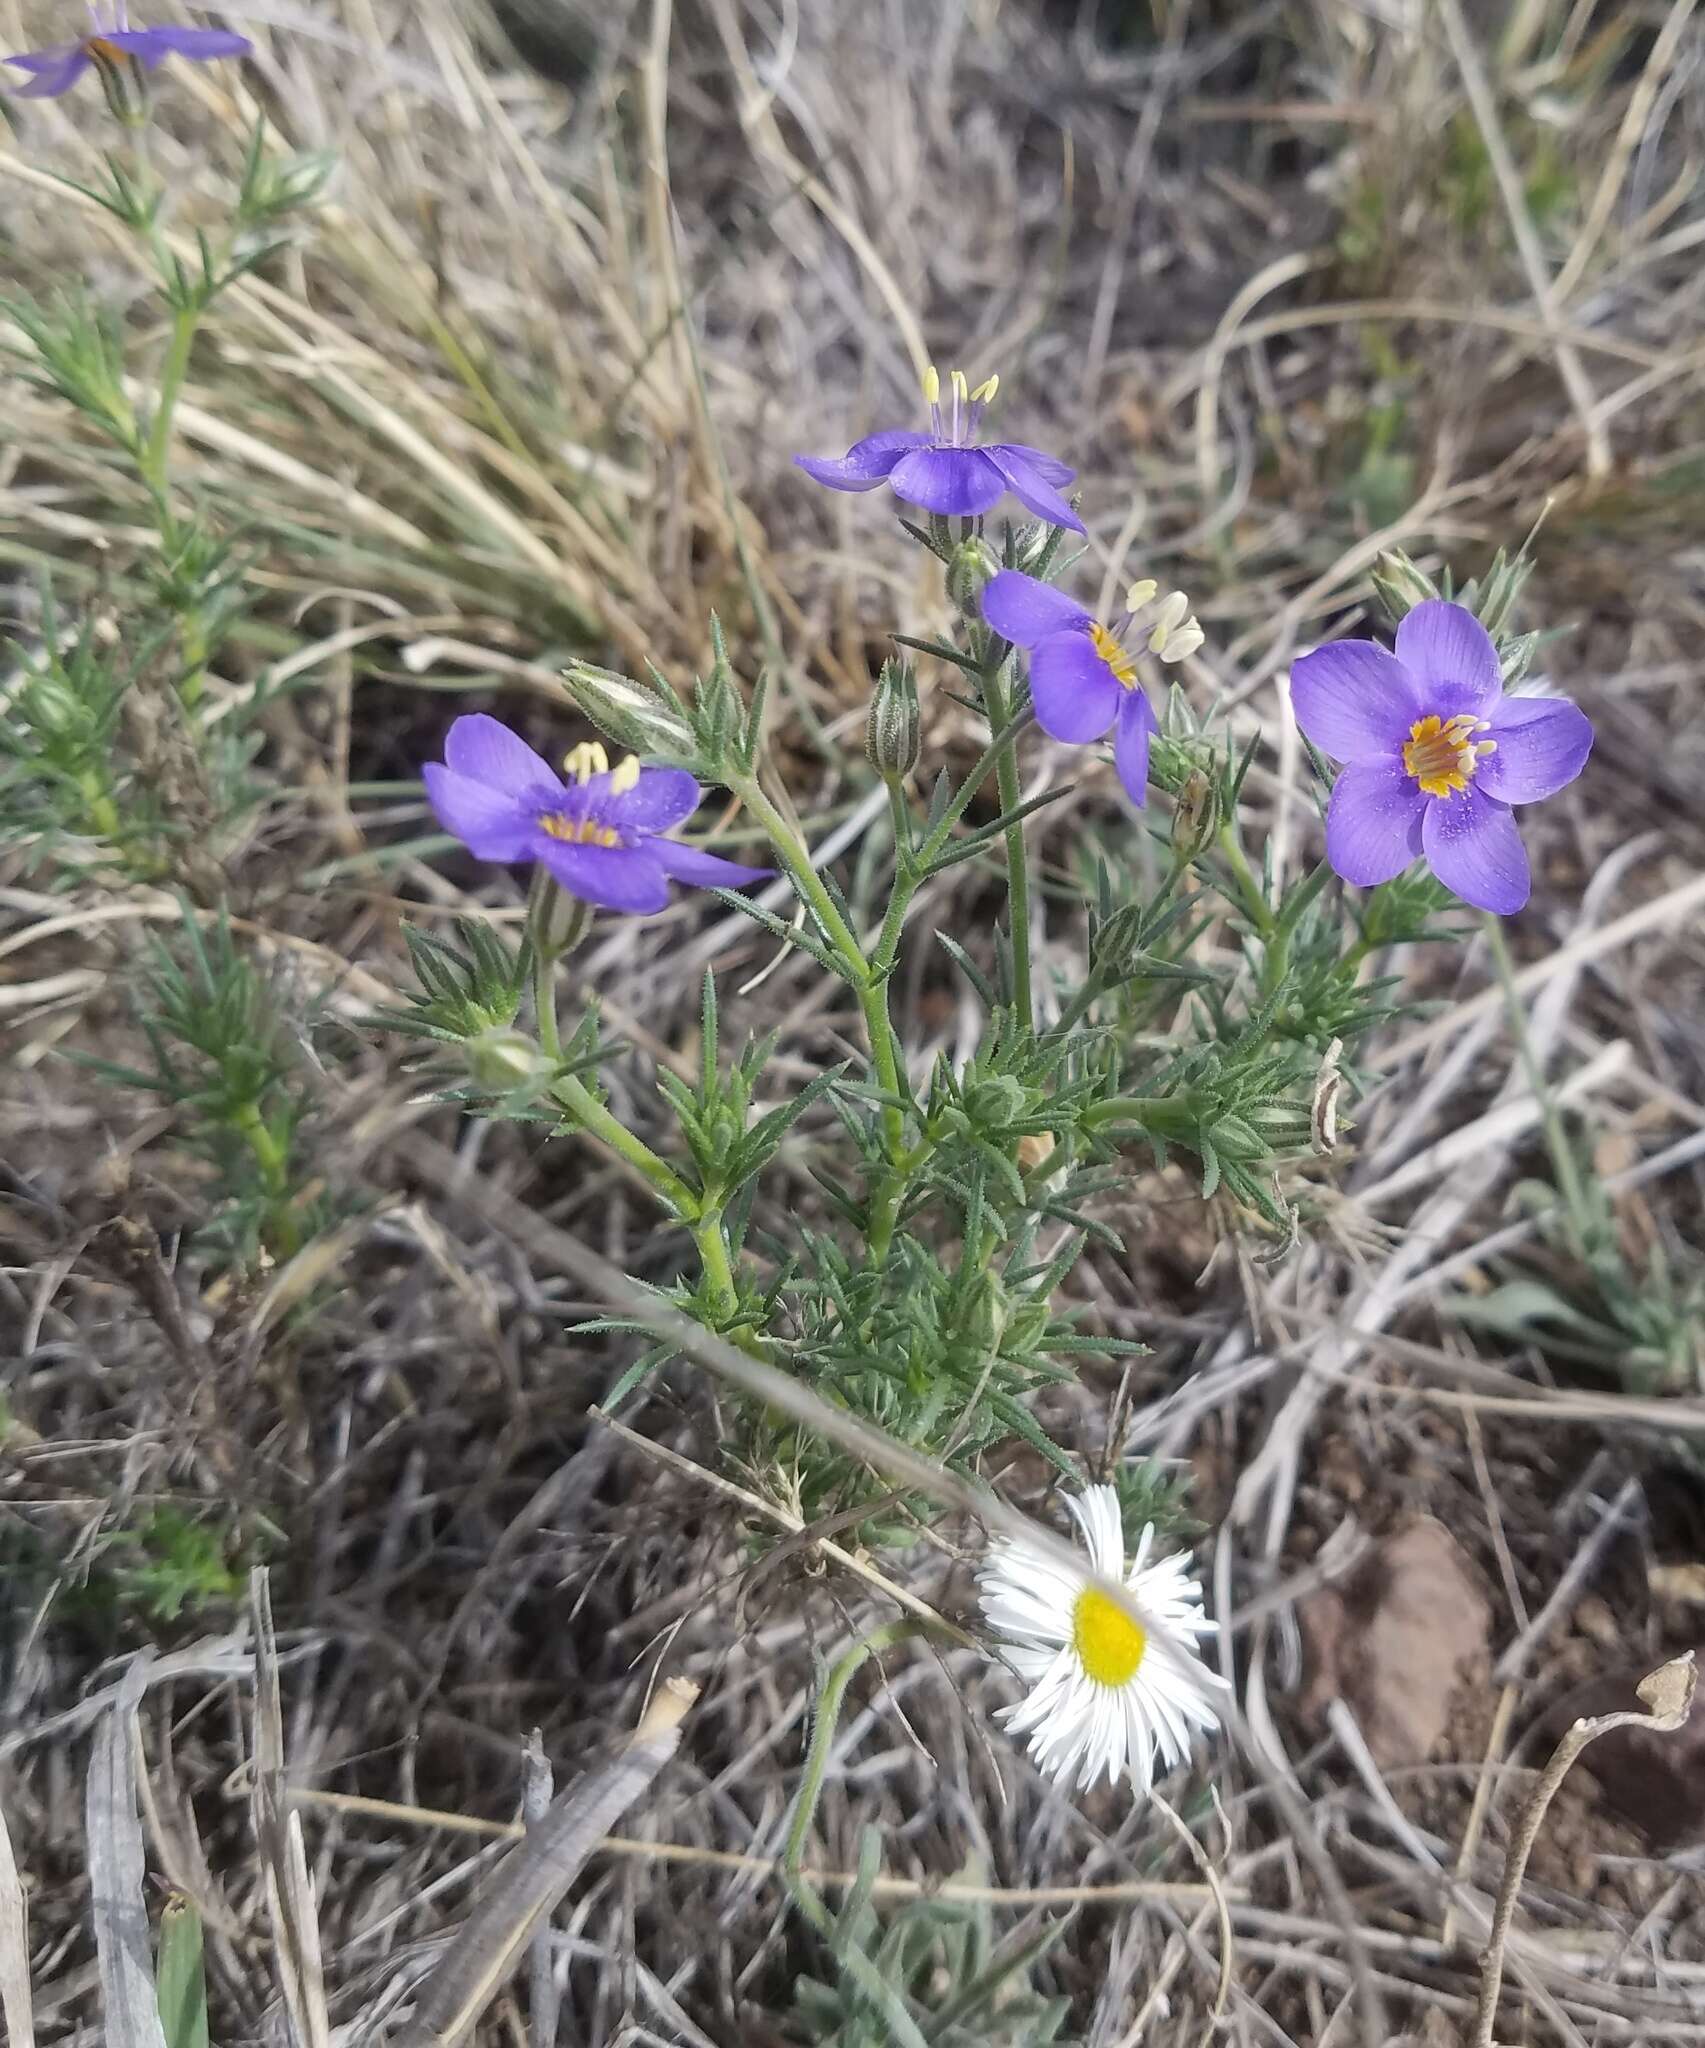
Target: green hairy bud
{"points": [[893, 736]]}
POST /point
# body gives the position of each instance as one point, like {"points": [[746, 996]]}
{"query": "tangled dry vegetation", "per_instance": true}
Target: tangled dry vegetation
{"points": [[1291, 283]]}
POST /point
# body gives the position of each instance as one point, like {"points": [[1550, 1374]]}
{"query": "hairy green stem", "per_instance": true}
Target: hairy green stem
{"points": [[1017, 864], [829, 1702], [869, 986], [1246, 889]]}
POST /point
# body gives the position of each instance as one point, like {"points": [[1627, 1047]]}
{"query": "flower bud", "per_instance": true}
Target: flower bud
{"points": [[1196, 816], [504, 1061], [627, 712], [970, 568], [893, 734], [1399, 585]]}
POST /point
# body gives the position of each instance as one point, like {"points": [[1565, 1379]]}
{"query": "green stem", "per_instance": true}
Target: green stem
{"points": [[1556, 1137], [156, 456], [713, 1259], [1247, 890], [572, 1094], [272, 1156], [544, 995], [1147, 1111], [829, 1703], [1017, 866], [870, 987]]}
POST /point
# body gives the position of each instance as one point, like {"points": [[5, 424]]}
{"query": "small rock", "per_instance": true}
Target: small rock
{"points": [[1396, 1640]]}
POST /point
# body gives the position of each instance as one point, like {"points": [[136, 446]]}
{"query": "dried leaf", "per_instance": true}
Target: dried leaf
{"points": [[531, 1880], [289, 1894], [113, 1828], [15, 2005]]}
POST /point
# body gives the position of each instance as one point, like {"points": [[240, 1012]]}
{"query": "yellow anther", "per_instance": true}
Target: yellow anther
{"points": [[932, 386], [961, 387], [1140, 593], [1442, 754], [625, 776], [985, 392], [581, 763], [1119, 662]]}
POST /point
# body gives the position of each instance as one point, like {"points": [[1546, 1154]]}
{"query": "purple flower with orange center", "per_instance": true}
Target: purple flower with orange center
{"points": [[1435, 755], [600, 833], [1083, 676], [946, 470], [57, 69]]}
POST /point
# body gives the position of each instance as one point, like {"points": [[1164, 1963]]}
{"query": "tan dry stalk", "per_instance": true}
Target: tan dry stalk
{"points": [[1668, 1695]]}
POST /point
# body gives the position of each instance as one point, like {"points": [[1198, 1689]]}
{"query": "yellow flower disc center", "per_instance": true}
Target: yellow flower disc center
{"points": [[579, 831], [1108, 1642], [1442, 754], [1123, 667]]}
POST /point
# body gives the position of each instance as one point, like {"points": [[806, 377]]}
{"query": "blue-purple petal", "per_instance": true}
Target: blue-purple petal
{"points": [[1374, 822], [1030, 483], [149, 45], [1355, 701], [1048, 467], [960, 482], [704, 870], [1451, 656], [491, 823], [866, 463], [1543, 744], [1131, 734], [55, 71], [484, 749], [1472, 845], [1075, 693], [1023, 610], [660, 798], [627, 878]]}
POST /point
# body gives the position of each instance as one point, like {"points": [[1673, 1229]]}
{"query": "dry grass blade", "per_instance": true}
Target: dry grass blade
{"points": [[278, 1831], [530, 1882], [1668, 1697], [15, 2001], [130, 2007]]}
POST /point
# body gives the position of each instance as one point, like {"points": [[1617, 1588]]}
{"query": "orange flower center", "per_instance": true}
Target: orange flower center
{"points": [[98, 46], [1123, 667], [579, 831], [1442, 754]]}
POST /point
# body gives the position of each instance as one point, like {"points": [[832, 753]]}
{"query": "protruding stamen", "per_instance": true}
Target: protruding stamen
{"points": [[961, 404], [985, 392], [1442, 754], [932, 386], [1175, 633], [1183, 642], [581, 763], [624, 776], [1141, 592]]}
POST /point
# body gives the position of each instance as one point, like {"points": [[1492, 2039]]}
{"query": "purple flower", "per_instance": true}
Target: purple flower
{"points": [[57, 69], [1436, 754], [1083, 678], [600, 833], [944, 470]]}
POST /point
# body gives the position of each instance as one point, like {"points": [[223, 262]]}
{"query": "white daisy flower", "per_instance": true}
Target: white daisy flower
{"points": [[1106, 1693]]}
